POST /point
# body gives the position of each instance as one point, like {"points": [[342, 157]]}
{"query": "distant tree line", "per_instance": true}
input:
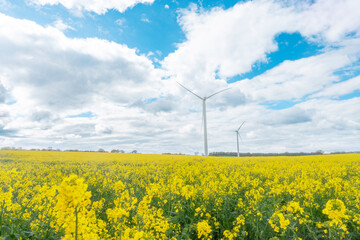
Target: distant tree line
{"points": [[355, 152], [248, 154], [67, 150], [219, 154]]}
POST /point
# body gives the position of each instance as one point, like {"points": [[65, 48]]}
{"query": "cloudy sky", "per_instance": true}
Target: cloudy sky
{"points": [[96, 74]]}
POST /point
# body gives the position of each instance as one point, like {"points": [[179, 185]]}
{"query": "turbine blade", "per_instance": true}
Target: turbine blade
{"points": [[189, 90], [241, 126], [240, 138], [217, 93]]}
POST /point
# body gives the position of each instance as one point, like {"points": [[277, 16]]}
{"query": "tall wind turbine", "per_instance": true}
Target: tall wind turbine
{"points": [[237, 138], [204, 114]]}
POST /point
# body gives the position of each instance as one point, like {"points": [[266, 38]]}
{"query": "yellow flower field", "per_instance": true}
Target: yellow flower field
{"points": [[78, 195]]}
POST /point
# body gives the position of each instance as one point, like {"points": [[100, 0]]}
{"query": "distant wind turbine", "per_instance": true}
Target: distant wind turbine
{"points": [[204, 114], [237, 138]]}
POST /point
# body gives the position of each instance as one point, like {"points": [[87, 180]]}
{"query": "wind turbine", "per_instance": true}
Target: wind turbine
{"points": [[237, 138], [204, 113]]}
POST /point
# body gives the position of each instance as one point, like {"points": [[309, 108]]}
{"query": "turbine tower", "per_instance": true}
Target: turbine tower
{"points": [[237, 138], [204, 114]]}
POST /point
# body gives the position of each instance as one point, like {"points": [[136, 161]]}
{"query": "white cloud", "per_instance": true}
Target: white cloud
{"points": [[2, 93], [296, 79], [229, 42], [145, 19], [103, 129], [60, 25], [96, 6], [120, 21], [51, 76], [72, 136], [56, 71], [341, 88], [331, 20]]}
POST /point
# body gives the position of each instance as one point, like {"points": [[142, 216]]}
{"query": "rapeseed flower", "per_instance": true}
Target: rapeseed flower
{"points": [[203, 229], [336, 211]]}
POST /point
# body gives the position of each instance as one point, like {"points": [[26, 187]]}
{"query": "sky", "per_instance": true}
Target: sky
{"points": [[96, 74]]}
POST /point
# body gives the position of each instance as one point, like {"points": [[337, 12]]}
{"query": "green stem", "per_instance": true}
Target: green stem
{"points": [[76, 224], [312, 233], [2, 212]]}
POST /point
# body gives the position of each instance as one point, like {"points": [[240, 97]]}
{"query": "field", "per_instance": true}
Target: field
{"points": [[73, 195]]}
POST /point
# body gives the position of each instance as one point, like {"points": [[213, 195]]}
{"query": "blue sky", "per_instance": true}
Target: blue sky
{"points": [[99, 74], [147, 27]]}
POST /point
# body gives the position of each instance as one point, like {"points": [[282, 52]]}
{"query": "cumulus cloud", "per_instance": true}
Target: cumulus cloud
{"points": [[334, 20], [144, 18], [162, 104], [96, 6], [120, 21], [233, 97], [340, 88], [2, 93], [224, 43], [288, 116], [103, 129], [50, 76], [59, 24], [40, 115], [292, 80], [59, 72], [5, 119]]}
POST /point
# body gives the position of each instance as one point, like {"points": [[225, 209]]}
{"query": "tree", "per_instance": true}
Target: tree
{"points": [[319, 152]]}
